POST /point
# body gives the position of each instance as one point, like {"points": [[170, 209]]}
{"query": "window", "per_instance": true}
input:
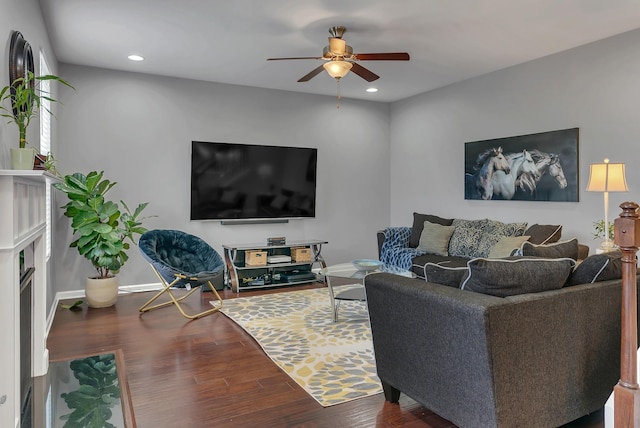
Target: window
{"points": [[45, 142], [45, 106]]}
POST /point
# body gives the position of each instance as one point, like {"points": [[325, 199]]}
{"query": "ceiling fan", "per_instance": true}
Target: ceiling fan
{"points": [[340, 59]]}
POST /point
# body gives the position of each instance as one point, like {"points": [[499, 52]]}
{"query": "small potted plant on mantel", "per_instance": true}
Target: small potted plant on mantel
{"points": [[105, 232], [20, 102]]}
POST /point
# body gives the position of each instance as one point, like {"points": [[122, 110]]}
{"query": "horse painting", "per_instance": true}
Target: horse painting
{"points": [[505, 182], [480, 184], [542, 167]]}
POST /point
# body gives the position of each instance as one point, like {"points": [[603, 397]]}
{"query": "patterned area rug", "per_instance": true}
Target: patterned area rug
{"points": [[333, 362]]}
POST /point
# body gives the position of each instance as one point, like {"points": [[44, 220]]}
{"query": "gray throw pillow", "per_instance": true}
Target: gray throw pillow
{"points": [[516, 275], [598, 267], [418, 225], [476, 238], [544, 233], [551, 251], [440, 274], [435, 239]]}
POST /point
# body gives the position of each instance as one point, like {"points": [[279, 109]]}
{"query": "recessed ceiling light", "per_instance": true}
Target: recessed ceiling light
{"points": [[135, 58], [372, 89]]}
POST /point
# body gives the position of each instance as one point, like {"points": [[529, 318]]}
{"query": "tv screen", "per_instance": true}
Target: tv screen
{"points": [[246, 181]]}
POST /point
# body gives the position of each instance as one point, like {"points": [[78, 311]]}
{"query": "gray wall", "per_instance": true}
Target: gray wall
{"points": [[595, 87], [25, 16], [138, 129]]}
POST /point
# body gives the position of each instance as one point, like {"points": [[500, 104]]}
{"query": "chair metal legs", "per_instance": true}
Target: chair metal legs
{"points": [[176, 300]]}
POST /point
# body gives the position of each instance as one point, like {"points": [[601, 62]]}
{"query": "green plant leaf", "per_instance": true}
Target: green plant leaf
{"points": [[92, 180], [75, 306]]}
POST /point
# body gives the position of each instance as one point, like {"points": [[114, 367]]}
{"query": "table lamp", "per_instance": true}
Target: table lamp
{"points": [[607, 177]]}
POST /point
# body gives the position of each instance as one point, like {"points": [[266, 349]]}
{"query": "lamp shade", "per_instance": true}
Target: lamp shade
{"points": [[607, 177], [337, 69]]}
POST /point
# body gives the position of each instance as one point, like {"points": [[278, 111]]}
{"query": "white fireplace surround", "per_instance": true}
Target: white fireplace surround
{"points": [[22, 228]]}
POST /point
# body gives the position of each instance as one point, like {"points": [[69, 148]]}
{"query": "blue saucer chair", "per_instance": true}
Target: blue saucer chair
{"points": [[181, 260]]}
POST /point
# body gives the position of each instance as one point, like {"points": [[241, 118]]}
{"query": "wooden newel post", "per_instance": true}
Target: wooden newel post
{"points": [[626, 392]]}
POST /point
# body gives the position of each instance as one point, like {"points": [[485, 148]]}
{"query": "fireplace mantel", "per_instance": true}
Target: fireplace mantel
{"points": [[22, 229]]}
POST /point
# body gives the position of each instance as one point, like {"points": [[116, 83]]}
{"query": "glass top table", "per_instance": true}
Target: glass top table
{"points": [[81, 391], [348, 270]]}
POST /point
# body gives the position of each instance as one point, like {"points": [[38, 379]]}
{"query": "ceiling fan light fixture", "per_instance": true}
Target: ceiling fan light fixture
{"points": [[337, 69]]}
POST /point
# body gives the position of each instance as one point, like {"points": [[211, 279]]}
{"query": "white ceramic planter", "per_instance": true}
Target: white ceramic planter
{"points": [[22, 158], [101, 292]]}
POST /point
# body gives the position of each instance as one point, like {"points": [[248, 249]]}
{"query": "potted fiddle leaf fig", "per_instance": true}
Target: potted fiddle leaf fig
{"points": [[105, 232], [20, 102]]}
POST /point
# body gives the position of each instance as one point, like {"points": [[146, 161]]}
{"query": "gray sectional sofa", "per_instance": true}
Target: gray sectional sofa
{"points": [[531, 340], [527, 360]]}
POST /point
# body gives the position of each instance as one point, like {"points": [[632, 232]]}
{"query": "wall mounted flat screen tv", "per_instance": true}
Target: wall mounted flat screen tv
{"points": [[247, 181]]}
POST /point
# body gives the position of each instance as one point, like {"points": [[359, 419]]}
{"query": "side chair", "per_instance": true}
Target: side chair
{"points": [[181, 260]]}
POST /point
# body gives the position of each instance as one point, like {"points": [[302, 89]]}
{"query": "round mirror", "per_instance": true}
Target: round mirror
{"points": [[20, 60]]}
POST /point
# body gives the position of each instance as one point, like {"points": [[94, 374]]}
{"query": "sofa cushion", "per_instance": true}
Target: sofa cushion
{"points": [[544, 233], [448, 261], [435, 238], [506, 246], [551, 251], [516, 275], [445, 275], [418, 225], [598, 267], [476, 238]]}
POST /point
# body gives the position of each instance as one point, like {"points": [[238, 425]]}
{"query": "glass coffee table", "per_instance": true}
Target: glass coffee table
{"points": [[349, 271]]}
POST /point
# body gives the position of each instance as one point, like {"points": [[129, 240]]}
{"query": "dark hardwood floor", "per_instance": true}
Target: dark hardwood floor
{"points": [[210, 373]]}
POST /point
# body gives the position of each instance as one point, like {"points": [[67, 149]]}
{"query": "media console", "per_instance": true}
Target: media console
{"points": [[247, 265]]}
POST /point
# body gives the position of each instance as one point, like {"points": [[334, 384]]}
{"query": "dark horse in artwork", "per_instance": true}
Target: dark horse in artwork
{"points": [[480, 184]]}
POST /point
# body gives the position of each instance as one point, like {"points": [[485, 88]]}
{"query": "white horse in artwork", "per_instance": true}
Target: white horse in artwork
{"points": [[504, 182], [546, 163], [480, 184]]}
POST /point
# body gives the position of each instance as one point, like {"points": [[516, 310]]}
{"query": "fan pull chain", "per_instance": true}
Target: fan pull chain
{"points": [[339, 96]]}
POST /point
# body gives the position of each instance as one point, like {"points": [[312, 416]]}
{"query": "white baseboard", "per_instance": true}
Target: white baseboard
{"points": [[138, 288], [79, 294]]}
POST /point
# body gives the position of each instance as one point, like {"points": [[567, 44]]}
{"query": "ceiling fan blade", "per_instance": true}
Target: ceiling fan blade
{"points": [[367, 75], [313, 73], [389, 56], [298, 57]]}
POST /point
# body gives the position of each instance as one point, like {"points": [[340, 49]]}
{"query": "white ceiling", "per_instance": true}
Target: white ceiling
{"points": [[229, 41]]}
